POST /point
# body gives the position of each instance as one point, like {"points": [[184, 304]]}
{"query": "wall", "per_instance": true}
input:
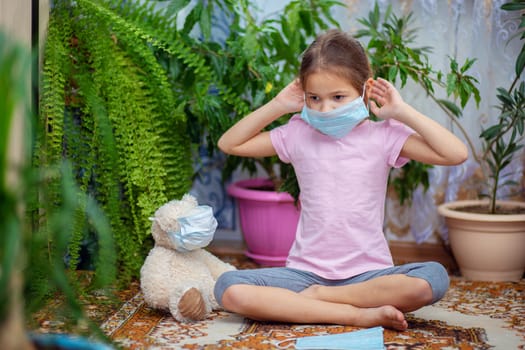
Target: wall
{"points": [[16, 20]]}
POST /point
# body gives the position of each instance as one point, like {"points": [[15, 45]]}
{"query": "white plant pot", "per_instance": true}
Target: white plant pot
{"points": [[487, 247]]}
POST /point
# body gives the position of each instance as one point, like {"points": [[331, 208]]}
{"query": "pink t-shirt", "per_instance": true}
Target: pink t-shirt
{"points": [[343, 188]]}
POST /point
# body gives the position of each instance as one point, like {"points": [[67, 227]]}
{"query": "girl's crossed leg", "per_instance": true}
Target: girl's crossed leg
{"points": [[375, 298]]}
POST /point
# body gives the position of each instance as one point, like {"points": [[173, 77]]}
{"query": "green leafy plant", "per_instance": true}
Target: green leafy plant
{"points": [[501, 141], [248, 65], [32, 265], [393, 55], [106, 104]]}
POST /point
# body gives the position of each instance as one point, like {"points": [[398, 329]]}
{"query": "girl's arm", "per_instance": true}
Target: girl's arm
{"points": [[246, 138], [432, 143]]}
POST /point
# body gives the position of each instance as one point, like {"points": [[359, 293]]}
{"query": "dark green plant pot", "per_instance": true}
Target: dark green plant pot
{"points": [[65, 342]]}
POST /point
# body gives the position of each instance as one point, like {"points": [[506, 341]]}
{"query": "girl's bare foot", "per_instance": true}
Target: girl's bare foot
{"points": [[386, 316]]}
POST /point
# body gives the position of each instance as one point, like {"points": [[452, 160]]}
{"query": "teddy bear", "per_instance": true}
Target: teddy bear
{"points": [[178, 275]]}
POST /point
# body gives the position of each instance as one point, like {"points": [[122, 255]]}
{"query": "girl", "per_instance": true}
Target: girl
{"points": [[339, 269]]}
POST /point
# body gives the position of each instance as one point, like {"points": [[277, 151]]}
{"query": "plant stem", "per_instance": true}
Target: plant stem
{"points": [[492, 204]]}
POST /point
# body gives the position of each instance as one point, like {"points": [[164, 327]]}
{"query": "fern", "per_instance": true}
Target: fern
{"points": [[118, 119], [95, 45], [52, 97], [165, 38], [107, 177], [171, 131]]}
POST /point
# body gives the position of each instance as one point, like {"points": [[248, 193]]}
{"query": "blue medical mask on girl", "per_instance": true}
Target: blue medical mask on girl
{"points": [[337, 122]]}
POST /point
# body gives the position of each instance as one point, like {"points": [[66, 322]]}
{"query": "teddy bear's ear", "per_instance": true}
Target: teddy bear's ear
{"points": [[160, 236], [166, 216], [190, 199]]}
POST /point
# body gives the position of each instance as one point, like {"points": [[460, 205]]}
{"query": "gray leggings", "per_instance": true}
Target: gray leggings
{"points": [[297, 280]]}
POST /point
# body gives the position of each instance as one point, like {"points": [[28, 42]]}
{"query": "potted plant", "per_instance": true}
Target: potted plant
{"points": [[392, 57], [269, 206], [488, 236], [250, 63], [268, 220], [186, 83]]}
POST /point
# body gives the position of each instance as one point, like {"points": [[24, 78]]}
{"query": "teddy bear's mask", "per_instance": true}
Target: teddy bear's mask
{"points": [[196, 229]]}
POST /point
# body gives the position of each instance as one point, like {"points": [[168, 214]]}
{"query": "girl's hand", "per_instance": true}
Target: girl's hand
{"points": [[291, 98], [386, 101]]}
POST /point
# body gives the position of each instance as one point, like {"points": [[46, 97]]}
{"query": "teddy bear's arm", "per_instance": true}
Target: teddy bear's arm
{"points": [[216, 266]]}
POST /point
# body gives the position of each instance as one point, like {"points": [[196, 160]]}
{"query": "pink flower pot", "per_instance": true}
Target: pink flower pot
{"points": [[268, 220]]}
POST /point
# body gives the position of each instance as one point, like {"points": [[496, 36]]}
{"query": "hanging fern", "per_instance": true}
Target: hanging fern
{"points": [[52, 99], [54, 127], [112, 112], [107, 178], [161, 34]]}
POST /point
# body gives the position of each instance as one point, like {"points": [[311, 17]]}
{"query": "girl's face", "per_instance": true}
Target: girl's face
{"points": [[325, 91]]}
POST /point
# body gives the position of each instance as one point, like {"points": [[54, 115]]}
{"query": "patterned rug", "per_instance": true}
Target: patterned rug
{"points": [[472, 315]]}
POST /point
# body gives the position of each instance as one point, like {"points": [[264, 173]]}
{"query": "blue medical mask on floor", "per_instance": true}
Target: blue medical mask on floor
{"points": [[337, 122], [196, 229], [366, 339]]}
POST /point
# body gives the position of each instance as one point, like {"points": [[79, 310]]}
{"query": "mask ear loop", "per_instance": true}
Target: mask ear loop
{"points": [[304, 100], [363, 97]]}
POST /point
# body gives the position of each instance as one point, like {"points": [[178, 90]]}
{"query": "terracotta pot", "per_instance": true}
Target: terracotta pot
{"points": [[268, 220], [487, 247]]}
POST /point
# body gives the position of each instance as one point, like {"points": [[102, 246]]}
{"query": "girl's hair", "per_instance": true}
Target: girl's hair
{"points": [[338, 53]]}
